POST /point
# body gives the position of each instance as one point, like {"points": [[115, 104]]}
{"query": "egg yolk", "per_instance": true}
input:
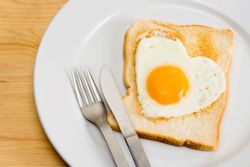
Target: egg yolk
{"points": [[167, 84]]}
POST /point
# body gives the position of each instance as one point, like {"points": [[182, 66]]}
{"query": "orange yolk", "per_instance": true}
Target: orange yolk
{"points": [[167, 84]]}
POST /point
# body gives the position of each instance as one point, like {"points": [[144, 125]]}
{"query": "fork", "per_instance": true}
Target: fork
{"points": [[93, 109]]}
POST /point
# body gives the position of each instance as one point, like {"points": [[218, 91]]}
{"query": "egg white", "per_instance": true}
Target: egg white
{"points": [[206, 79]]}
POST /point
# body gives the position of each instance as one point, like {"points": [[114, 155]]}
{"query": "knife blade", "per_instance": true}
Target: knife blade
{"points": [[114, 101]]}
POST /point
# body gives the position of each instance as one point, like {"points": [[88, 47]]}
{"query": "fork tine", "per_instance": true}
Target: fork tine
{"points": [[81, 88], [76, 89], [93, 86], [86, 87]]}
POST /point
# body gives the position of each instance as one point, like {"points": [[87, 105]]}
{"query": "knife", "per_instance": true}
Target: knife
{"points": [[114, 101]]}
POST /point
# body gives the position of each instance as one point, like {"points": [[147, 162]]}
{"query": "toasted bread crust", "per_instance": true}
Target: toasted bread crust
{"points": [[204, 45]]}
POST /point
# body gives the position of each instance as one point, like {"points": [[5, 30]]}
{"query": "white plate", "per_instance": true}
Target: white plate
{"points": [[92, 34]]}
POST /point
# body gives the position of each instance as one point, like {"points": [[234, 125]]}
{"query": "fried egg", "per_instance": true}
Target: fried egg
{"points": [[171, 83]]}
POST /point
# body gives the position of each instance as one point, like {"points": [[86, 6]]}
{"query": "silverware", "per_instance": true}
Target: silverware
{"points": [[114, 101], [93, 109]]}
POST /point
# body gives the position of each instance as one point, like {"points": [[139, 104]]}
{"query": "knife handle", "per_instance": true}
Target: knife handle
{"points": [[113, 145], [137, 151]]}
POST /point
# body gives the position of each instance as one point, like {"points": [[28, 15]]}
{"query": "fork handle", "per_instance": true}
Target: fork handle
{"points": [[113, 145]]}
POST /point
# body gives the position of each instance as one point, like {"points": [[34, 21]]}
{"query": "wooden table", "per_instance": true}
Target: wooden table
{"points": [[22, 139]]}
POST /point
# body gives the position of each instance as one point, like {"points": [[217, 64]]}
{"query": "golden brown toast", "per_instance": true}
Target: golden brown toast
{"points": [[199, 130]]}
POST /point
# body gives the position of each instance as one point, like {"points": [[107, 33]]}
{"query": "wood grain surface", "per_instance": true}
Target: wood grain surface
{"points": [[22, 139]]}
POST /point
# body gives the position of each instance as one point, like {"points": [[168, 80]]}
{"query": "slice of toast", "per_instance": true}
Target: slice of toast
{"points": [[199, 130]]}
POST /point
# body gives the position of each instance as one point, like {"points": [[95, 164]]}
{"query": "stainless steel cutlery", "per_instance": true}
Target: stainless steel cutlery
{"points": [[93, 109]]}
